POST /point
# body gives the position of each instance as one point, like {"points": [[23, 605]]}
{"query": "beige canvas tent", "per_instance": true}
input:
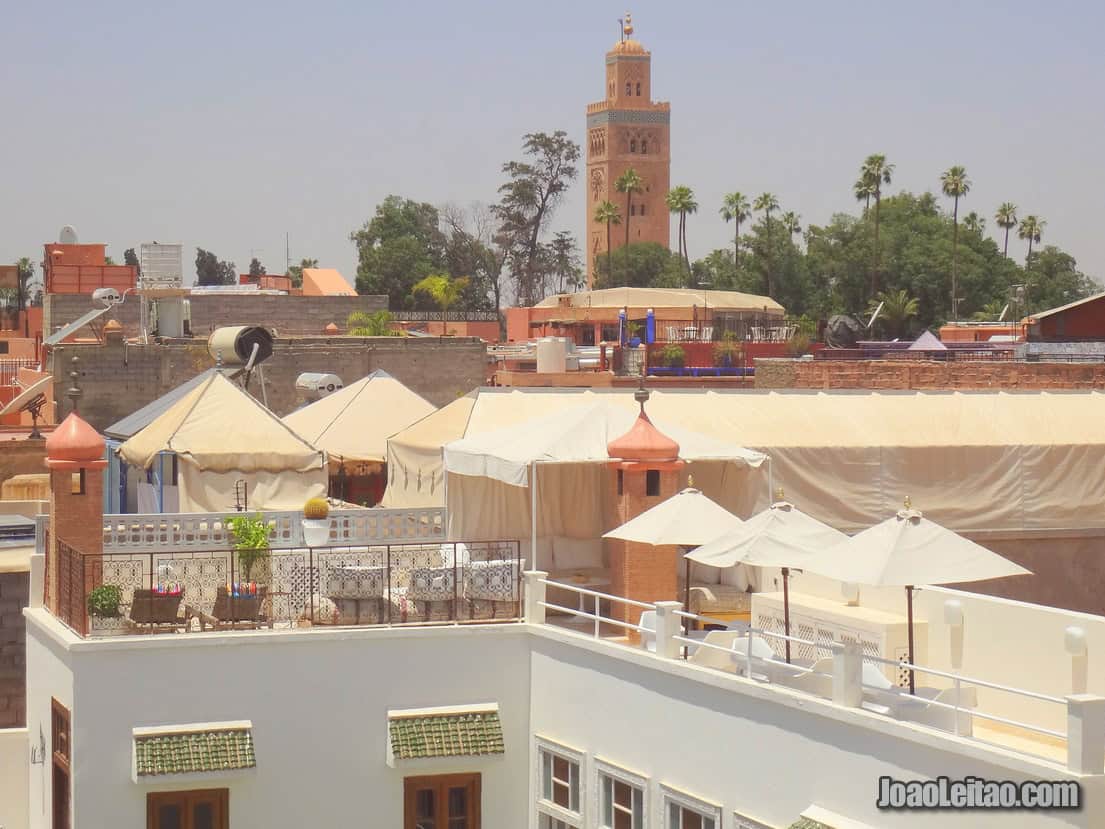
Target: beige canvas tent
{"points": [[416, 477], [977, 460], [662, 301], [354, 423], [220, 435]]}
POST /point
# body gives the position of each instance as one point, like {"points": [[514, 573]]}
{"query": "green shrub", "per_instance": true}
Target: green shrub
{"points": [[251, 540], [673, 356], [104, 601]]}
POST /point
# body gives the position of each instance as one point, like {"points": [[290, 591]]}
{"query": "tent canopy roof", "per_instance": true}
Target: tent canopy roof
{"points": [[138, 420], [638, 300], [222, 428], [354, 423], [578, 434]]}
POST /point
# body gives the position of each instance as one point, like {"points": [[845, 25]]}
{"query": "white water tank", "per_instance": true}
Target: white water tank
{"points": [[316, 385], [552, 355]]}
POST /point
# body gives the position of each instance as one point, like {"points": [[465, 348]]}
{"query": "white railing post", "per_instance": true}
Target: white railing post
{"points": [[847, 674], [1086, 734], [668, 626], [535, 596]]}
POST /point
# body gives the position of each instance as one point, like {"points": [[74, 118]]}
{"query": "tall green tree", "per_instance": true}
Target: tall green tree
{"points": [[1031, 229], [441, 289], [399, 246], [256, 268], [680, 200], [629, 182], [989, 312], [874, 173], [863, 190], [1006, 219], [641, 265], [765, 203], [736, 208], [562, 261], [527, 201], [955, 185], [210, 270], [131, 258], [791, 222], [606, 213], [24, 273]]}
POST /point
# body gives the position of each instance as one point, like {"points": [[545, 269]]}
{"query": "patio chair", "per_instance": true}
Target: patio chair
{"points": [[709, 657], [707, 333], [152, 611], [881, 696], [233, 611], [760, 650], [672, 335]]}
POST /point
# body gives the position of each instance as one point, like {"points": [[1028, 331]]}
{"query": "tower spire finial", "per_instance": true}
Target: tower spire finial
{"points": [[627, 27], [74, 392]]}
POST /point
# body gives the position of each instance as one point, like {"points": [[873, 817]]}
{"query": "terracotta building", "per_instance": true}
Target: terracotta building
{"points": [[628, 129]]}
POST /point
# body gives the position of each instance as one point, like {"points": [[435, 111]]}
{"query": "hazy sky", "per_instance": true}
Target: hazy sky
{"points": [[225, 124]]}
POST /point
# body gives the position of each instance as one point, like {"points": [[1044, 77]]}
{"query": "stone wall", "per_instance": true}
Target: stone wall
{"points": [[117, 379], [14, 596], [22, 457], [288, 315], [923, 374]]}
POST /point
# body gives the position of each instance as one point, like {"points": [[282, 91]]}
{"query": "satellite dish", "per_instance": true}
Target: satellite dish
{"points": [[1004, 311], [32, 399], [875, 315], [68, 236]]}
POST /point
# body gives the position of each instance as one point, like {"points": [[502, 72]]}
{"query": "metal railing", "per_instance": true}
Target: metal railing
{"points": [[9, 369], [925, 708], [183, 531], [345, 585]]}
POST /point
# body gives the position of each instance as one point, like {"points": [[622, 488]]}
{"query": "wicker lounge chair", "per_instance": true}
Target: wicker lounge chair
{"points": [[153, 611]]}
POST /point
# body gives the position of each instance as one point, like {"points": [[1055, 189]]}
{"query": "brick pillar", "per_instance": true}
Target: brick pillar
{"points": [[640, 571], [78, 520]]}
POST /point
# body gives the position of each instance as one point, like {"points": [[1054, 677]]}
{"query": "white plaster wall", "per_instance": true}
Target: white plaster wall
{"points": [[14, 771], [48, 675], [318, 701], [1011, 643], [754, 748]]}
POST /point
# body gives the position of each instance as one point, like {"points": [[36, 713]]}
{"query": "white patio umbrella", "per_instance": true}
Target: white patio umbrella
{"points": [[686, 519], [908, 550], [781, 536]]}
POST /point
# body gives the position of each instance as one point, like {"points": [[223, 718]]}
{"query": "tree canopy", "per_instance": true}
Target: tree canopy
{"points": [[210, 270]]}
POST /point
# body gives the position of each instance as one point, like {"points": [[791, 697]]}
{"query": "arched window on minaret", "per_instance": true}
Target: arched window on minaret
{"points": [[633, 145], [628, 88], [644, 146], [641, 210], [638, 89]]}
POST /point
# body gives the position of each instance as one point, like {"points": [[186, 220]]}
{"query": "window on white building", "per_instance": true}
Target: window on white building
{"points": [[621, 798], [560, 787], [682, 811]]}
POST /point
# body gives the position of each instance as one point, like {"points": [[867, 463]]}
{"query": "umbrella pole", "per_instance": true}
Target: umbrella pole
{"points": [[786, 610], [686, 595], [533, 512], [909, 612]]}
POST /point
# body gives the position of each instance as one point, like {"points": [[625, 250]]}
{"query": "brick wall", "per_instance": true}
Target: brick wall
{"points": [[289, 315], [22, 457], [116, 379], [14, 596], [918, 374]]}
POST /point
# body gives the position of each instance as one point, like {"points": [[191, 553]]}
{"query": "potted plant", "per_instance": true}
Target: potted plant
{"points": [[103, 608], [673, 356], [633, 329], [316, 523], [726, 351], [251, 543]]}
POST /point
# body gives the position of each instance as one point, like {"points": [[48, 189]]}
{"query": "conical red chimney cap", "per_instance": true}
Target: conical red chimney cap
{"points": [[643, 443], [75, 445]]}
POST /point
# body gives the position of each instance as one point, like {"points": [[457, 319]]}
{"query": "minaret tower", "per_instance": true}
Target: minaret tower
{"points": [[628, 129]]}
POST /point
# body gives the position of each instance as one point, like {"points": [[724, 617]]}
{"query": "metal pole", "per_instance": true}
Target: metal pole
{"points": [[786, 609], [687, 595], [909, 611], [533, 511]]}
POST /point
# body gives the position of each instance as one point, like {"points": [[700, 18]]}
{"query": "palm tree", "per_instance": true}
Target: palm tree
{"points": [[681, 200], [735, 208], [864, 190], [974, 223], [442, 289], [1006, 218], [989, 312], [791, 222], [629, 183], [898, 308], [607, 213], [1032, 229], [377, 324], [874, 173], [25, 271], [765, 203], [955, 184]]}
